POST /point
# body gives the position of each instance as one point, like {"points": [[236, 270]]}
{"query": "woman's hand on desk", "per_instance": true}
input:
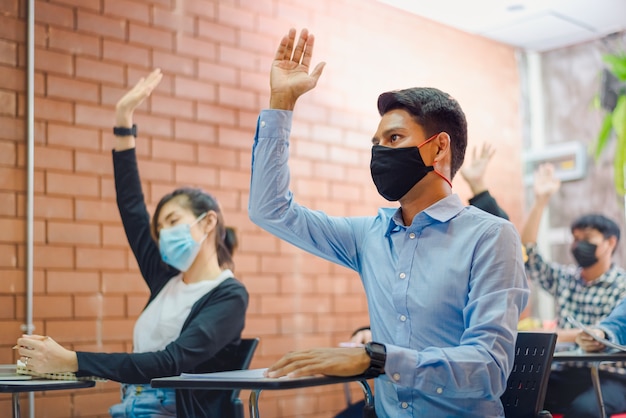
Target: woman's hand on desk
{"points": [[362, 336], [587, 343], [44, 355], [327, 361]]}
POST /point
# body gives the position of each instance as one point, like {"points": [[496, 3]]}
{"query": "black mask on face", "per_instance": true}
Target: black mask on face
{"points": [[396, 170], [585, 253]]}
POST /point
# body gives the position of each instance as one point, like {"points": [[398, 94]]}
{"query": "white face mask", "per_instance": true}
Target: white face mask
{"points": [[177, 246]]}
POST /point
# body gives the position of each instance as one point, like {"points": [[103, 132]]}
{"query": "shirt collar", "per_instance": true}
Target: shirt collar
{"points": [[441, 211]]}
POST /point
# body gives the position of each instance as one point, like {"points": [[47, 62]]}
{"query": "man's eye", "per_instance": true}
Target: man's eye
{"points": [[394, 137]]}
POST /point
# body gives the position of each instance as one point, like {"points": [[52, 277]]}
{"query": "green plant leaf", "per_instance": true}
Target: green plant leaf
{"points": [[595, 102], [619, 116], [619, 162], [603, 135], [617, 65], [619, 165]]}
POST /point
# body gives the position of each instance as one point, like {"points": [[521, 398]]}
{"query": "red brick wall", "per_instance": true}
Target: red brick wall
{"points": [[197, 129]]}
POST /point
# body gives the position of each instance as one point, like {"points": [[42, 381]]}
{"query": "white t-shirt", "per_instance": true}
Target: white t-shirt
{"points": [[162, 320]]}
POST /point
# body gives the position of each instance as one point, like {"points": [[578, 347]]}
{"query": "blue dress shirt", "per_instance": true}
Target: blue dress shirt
{"points": [[614, 325], [444, 293]]}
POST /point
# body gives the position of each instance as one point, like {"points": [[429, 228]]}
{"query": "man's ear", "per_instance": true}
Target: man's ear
{"points": [[613, 243], [443, 146]]}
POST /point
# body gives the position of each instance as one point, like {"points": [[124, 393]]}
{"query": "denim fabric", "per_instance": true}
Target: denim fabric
{"points": [[142, 401]]}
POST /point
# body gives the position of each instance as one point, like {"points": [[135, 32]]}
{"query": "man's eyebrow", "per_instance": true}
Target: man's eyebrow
{"points": [[387, 132]]}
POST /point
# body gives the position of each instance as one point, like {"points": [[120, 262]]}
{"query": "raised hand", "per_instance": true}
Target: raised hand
{"points": [[473, 171], [128, 103], [545, 182], [289, 75]]}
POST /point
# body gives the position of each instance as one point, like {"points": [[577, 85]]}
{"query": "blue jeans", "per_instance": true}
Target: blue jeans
{"points": [[143, 401]]}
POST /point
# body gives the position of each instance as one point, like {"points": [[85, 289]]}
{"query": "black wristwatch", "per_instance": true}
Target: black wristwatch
{"points": [[378, 355], [121, 131]]}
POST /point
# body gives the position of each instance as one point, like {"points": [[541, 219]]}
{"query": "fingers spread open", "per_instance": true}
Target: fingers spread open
{"points": [[302, 41]]}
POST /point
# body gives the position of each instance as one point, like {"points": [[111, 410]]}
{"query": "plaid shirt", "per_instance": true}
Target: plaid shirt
{"points": [[588, 302]]}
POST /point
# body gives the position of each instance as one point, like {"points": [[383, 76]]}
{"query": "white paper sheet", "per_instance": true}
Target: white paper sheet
{"points": [[589, 332], [235, 374]]}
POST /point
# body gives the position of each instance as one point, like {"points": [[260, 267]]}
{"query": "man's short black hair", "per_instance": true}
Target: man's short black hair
{"points": [[435, 111], [601, 223]]}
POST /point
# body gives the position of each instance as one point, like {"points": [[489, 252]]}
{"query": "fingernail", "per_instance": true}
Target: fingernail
{"points": [[15, 347]]}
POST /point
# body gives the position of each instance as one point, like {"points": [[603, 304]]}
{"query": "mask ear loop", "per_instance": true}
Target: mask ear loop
{"points": [[198, 219], [442, 176], [434, 169]]}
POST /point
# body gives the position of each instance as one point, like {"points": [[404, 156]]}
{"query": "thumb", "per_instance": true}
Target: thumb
{"points": [[33, 336], [317, 71]]}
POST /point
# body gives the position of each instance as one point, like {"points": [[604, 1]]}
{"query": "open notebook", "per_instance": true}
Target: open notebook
{"points": [[22, 370]]}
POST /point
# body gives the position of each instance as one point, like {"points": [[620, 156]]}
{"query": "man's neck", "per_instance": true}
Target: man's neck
{"points": [[593, 272], [423, 195]]}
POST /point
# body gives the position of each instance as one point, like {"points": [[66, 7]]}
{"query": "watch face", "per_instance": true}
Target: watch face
{"points": [[376, 348]]}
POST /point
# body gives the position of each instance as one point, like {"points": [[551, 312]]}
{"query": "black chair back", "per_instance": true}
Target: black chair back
{"points": [[244, 355], [527, 383]]}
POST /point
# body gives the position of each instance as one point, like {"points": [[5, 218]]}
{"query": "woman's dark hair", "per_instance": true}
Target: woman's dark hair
{"points": [[435, 111], [199, 202]]}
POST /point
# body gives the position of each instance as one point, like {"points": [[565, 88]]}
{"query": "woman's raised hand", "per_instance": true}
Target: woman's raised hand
{"points": [[135, 96]]}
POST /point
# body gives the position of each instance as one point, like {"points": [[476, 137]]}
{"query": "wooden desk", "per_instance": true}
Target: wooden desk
{"points": [[593, 360], [254, 381], [37, 385]]}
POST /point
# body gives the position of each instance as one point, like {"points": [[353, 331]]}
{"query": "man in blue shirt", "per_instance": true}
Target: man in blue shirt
{"points": [[445, 283]]}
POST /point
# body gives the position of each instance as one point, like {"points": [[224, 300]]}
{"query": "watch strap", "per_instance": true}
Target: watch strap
{"points": [[377, 353], [123, 131]]}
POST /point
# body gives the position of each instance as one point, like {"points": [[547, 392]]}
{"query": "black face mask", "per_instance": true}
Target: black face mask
{"points": [[396, 170], [585, 253]]}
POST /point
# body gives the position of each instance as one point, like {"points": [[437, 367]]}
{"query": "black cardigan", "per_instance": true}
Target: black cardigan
{"points": [[211, 333], [486, 202]]}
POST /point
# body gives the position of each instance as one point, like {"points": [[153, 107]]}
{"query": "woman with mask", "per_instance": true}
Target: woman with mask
{"points": [[196, 310]]}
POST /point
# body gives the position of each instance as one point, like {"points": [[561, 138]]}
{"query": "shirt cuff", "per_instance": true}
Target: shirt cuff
{"points": [[609, 335], [274, 123], [400, 365]]}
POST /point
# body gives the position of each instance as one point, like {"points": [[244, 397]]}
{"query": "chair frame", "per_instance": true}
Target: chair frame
{"points": [[246, 350], [528, 381]]}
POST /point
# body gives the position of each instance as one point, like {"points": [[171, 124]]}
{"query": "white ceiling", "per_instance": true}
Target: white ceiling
{"points": [[537, 25]]}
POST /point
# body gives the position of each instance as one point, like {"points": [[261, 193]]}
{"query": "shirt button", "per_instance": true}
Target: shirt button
{"points": [[396, 376], [262, 124], [402, 275], [405, 405], [412, 235], [439, 391], [402, 318]]}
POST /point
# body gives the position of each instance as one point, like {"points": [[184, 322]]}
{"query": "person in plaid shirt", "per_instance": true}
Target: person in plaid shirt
{"points": [[588, 291]]}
